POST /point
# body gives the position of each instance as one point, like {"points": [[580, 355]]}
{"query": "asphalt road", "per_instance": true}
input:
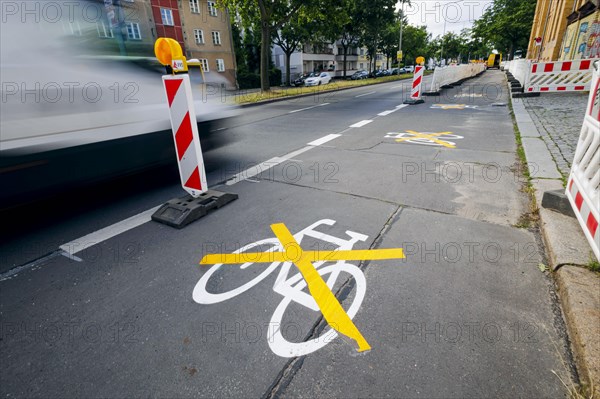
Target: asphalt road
{"points": [[466, 313]]}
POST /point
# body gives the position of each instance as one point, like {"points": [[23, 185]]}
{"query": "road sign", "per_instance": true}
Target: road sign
{"points": [[399, 55]]}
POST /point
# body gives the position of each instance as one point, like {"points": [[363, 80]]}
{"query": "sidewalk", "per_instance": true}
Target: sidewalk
{"points": [[549, 126]]}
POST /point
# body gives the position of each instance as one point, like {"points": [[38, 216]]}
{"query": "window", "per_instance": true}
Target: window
{"points": [[220, 65], [194, 6], [104, 30], [199, 35], [167, 16], [133, 31], [204, 63], [212, 9], [216, 36]]}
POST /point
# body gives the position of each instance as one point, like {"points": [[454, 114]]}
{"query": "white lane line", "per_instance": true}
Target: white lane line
{"points": [[362, 123], [82, 243], [384, 113], [366, 94], [304, 109], [401, 106], [106, 233], [264, 166], [396, 87], [324, 140]]}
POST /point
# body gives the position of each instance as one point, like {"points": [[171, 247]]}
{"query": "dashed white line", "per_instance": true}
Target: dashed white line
{"points": [[362, 123], [324, 140], [384, 113], [106, 233], [307, 108], [366, 94], [401, 106]]}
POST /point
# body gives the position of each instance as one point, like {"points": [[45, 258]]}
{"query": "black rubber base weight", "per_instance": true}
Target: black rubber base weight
{"points": [[180, 212], [414, 102]]}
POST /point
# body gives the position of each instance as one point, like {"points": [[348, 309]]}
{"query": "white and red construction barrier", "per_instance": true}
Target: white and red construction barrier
{"points": [[185, 134], [449, 75], [584, 180], [558, 76], [415, 93]]}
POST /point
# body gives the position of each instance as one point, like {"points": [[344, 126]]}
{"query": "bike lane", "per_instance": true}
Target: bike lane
{"points": [[73, 323]]}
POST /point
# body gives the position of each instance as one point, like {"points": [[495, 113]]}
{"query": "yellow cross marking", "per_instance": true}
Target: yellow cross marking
{"points": [[450, 106], [332, 310], [428, 136]]}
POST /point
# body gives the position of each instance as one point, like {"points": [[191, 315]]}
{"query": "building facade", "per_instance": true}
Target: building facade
{"points": [[568, 30], [207, 37]]}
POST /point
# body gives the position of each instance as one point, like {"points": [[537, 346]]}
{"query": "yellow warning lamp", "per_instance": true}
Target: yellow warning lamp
{"points": [[420, 60], [169, 53]]}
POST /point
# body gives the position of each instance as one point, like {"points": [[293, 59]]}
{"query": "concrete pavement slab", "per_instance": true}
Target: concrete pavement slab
{"points": [[580, 294], [539, 160]]}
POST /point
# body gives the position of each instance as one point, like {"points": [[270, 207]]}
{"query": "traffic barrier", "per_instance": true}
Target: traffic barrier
{"points": [[415, 93], [559, 76], [185, 134], [584, 180], [446, 77], [180, 212]]}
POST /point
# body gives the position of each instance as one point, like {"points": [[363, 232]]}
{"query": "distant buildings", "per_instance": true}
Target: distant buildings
{"points": [[569, 30], [130, 28]]}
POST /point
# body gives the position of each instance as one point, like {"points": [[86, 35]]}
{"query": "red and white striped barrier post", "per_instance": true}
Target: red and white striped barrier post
{"points": [[185, 134], [560, 76], [179, 212], [415, 93], [583, 186]]}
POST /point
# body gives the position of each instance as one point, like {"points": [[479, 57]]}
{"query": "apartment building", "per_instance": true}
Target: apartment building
{"points": [[168, 20], [569, 30], [207, 37]]}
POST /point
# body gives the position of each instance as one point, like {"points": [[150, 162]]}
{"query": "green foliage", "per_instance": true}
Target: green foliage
{"points": [[506, 25]]}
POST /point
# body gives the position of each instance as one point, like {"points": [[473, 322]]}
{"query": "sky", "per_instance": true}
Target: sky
{"points": [[456, 14]]}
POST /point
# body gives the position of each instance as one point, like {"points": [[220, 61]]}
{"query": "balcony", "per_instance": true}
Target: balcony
{"points": [[349, 57]]}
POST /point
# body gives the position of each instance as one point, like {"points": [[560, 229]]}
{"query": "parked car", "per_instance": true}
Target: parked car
{"points": [[410, 68], [359, 75], [322, 78], [402, 71], [300, 80], [381, 72]]}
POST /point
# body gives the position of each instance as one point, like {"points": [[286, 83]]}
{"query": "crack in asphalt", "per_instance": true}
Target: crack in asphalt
{"points": [[289, 371]]}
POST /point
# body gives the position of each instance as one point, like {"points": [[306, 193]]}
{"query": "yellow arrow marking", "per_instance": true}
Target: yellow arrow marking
{"points": [[330, 307], [428, 136]]}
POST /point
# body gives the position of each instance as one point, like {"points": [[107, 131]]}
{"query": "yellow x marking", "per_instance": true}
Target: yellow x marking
{"points": [[332, 310], [428, 136], [450, 106]]}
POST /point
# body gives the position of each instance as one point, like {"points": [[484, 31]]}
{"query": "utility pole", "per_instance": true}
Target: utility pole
{"points": [[401, 14]]}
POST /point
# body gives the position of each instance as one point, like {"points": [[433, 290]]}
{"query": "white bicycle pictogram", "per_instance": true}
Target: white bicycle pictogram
{"points": [[291, 288]]}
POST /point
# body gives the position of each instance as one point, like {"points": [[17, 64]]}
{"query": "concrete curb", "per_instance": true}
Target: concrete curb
{"points": [[567, 247]]}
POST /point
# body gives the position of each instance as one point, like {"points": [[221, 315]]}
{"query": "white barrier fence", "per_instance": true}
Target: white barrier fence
{"points": [[584, 180], [443, 76], [539, 77]]}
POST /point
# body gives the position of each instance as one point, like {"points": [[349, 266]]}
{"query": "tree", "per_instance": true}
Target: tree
{"points": [[372, 17], [291, 36], [271, 14], [415, 40], [506, 25]]}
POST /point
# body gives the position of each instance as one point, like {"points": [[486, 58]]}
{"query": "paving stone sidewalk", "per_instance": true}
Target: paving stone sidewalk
{"points": [[558, 118]]}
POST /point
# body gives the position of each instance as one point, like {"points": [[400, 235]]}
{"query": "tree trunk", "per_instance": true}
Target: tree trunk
{"points": [[345, 54], [288, 56], [265, 43]]}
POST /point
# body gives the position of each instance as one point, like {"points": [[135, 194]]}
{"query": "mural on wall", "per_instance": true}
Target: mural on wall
{"points": [[587, 45], [582, 39]]}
